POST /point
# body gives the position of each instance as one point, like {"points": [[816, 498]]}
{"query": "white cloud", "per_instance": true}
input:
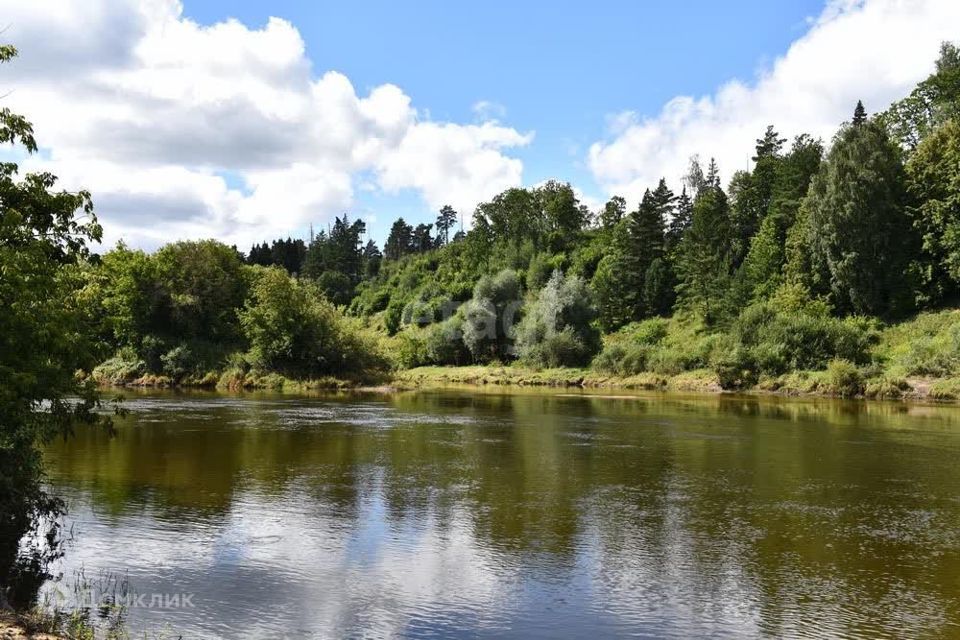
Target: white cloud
{"points": [[874, 50], [489, 110], [150, 111]]}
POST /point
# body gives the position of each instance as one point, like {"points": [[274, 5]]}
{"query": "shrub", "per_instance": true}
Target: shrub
{"points": [[179, 362], [444, 343], [928, 345], [124, 366], [886, 388], [556, 330], [293, 329], [736, 369], [780, 341], [844, 378], [489, 316]]}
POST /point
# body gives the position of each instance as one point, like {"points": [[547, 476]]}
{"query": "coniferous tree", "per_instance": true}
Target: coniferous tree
{"points": [[621, 282], [704, 265], [422, 240], [680, 222], [859, 234], [859, 114], [446, 220], [934, 182], [399, 242]]}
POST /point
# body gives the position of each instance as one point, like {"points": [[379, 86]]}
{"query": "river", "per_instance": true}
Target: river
{"points": [[464, 513]]}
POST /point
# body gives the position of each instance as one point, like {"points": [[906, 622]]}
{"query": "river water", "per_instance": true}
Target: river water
{"points": [[462, 513]]}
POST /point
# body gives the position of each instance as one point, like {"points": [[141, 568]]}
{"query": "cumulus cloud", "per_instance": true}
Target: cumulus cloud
{"points": [[188, 130], [874, 50]]}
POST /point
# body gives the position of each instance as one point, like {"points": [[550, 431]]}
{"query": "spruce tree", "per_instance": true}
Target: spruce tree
{"points": [[704, 264], [859, 234], [859, 114]]}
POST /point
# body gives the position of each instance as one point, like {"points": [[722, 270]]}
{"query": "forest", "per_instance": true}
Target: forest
{"points": [[805, 273]]}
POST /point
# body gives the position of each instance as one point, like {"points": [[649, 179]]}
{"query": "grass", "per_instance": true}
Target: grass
{"points": [[918, 359]]}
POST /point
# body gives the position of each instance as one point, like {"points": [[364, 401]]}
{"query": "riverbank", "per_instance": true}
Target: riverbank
{"points": [[14, 627], [795, 384], [840, 383]]}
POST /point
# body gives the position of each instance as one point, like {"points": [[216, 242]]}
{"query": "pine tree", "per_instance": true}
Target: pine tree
{"points": [[445, 221], [621, 281], [422, 240]]}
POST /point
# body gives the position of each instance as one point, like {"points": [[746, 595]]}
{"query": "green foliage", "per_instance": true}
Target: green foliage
{"points": [[705, 263], [657, 345], [489, 317], [844, 378], [203, 288], [859, 234], [929, 105], [776, 342], [928, 345], [293, 329], [47, 334], [556, 329], [934, 182], [634, 280]]}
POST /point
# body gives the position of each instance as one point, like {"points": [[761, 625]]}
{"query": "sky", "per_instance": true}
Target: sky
{"points": [[247, 121]]}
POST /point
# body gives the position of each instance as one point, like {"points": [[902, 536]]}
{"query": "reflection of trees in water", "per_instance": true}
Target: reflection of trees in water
{"points": [[785, 506]]}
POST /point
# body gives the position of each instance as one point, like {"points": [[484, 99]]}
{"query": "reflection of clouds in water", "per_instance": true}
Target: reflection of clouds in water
{"points": [[513, 516], [267, 567]]}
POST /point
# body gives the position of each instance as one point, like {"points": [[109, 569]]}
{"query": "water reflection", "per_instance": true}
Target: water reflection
{"points": [[535, 515]]}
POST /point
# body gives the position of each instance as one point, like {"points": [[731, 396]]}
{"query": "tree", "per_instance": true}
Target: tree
{"points": [[399, 242], [620, 282], [489, 317], [372, 257], [695, 179], [613, 212], [934, 182], [859, 234], [422, 241], [45, 338], [445, 221], [933, 102], [557, 328], [859, 115], [202, 290], [680, 222], [292, 328], [704, 265]]}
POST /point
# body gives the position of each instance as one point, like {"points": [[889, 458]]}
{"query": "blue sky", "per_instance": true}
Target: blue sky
{"points": [[248, 121], [557, 71]]}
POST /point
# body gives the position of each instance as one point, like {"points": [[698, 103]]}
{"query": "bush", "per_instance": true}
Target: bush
{"points": [[125, 366], [844, 378], [556, 330], [664, 346], [293, 329], [489, 316], [928, 345], [623, 359], [444, 343], [179, 362], [736, 369], [774, 342], [886, 388]]}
